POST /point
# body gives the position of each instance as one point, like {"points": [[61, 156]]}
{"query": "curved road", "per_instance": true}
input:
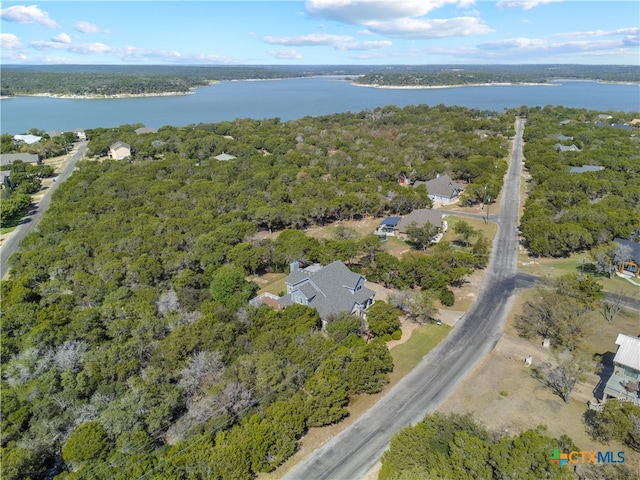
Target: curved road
{"points": [[352, 453], [10, 246]]}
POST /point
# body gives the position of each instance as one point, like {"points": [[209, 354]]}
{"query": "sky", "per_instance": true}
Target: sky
{"points": [[321, 32]]}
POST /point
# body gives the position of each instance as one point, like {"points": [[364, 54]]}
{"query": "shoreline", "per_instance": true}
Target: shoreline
{"points": [[101, 97], [426, 87], [553, 83]]}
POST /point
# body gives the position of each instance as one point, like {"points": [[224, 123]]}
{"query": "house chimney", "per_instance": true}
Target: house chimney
{"points": [[294, 266]]}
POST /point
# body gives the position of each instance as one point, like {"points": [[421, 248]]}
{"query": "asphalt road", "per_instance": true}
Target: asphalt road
{"points": [[352, 453], [10, 246]]}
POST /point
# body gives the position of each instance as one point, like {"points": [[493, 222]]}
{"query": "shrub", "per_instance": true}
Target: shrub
{"points": [[397, 335], [447, 298]]}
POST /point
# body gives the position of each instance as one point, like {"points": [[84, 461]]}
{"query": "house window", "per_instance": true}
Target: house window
{"points": [[630, 372]]}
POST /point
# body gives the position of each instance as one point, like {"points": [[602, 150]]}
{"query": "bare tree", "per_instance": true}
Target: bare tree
{"points": [[203, 370], [563, 378], [615, 302]]}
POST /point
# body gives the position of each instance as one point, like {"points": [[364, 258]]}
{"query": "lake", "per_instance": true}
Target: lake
{"points": [[295, 98]]}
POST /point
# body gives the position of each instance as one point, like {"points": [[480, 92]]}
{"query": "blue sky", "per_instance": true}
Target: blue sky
{"points": [[348, 32]]}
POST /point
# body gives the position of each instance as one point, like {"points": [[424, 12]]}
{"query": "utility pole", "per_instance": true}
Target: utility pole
{"points": [[488, 201]]}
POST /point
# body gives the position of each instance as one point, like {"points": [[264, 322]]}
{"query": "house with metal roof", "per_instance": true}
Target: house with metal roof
{"points": [[225, 157], [119, 150], [586, 168], [28, 139], [330, 289], [625, 379]]}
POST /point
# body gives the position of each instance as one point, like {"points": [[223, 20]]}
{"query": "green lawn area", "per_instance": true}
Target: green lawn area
{"points": [[576, 263], [270, 282], [488, 229], [408, 354]]}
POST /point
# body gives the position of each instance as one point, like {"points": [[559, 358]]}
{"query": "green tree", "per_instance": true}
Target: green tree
{"points": [[383, 318], [421, 237], [87, 442], [229, 287], [465, 231]]}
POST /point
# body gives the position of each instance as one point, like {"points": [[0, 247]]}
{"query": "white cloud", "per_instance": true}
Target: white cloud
{"points": [[289, 54], [9, 41], [524, 4], [24, 14], [602, 33], [369, 45], [430, 28], [308, 40], [404, 18], [360, 11], [339, 42], [83, 48], [62, 38], [86, 27], [537, 48]]}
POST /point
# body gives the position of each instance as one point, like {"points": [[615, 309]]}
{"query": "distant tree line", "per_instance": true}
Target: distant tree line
{"points": [[441, 75]]}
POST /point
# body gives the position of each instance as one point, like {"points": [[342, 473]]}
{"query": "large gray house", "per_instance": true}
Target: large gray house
{"points": [[329, 289]]}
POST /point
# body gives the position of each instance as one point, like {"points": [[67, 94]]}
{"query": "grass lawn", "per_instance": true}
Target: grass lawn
{"points": [[270, 282], [408, 354], [488, 229], [576, 263]]}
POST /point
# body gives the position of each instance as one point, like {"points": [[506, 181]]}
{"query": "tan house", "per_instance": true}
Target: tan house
{"points": [[119, 150], [420, 217]]}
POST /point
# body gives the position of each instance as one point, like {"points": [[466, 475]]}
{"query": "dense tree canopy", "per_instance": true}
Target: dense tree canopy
{"points": [[456, 447], [125, 313], [568, 212]]}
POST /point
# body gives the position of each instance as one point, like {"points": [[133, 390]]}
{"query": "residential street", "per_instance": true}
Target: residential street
{"points": [[10, 245], [352, 453]]}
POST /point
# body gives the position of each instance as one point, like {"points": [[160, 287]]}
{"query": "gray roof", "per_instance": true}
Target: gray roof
{"points": [[420, 216], [224, 157], [119, 144], [443, 186], [142, 130], [565, 148], [586, 168], [9, 158], [329, 289]]}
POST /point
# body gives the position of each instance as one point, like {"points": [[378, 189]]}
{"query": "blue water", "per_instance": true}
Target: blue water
{"points": [[295, 98]]}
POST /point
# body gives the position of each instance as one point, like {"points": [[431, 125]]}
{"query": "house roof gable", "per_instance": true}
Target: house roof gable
{"points": [[443, 186], [420, 216], [329, 289]]}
